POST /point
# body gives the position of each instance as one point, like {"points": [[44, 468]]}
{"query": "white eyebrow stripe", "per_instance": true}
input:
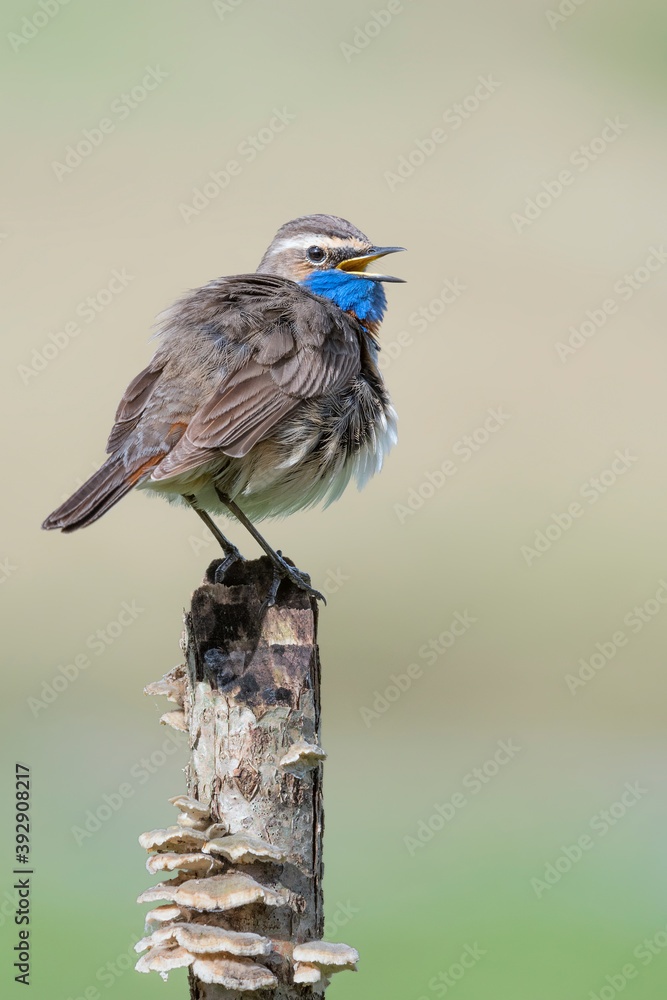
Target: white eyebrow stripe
{"points": [[312, 239]]}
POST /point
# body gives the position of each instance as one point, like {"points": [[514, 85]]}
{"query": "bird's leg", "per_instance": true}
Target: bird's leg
{"points": [[281, 568], [232, 554]]}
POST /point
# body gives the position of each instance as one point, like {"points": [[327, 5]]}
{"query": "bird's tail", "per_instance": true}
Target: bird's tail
{"points": [[104, 489]]}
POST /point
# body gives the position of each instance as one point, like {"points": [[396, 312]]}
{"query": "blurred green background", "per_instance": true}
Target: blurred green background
{"points": [[532, 257]]}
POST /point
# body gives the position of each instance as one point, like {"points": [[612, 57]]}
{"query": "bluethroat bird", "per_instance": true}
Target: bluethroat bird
{"points": [[264, 396]]}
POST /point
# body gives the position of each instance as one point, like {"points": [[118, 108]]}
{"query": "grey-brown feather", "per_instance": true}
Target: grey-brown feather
{"points": [[258, 388], [286, 382]]}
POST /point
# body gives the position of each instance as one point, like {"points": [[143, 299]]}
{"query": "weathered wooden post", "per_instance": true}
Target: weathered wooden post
{"points": [[244, 911]]}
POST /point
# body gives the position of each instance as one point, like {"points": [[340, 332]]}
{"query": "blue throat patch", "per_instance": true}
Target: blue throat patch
{"points": [[366, 299]]}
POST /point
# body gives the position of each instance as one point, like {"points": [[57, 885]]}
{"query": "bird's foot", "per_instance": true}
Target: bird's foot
{"points": [[232, 555], [283, 571]]}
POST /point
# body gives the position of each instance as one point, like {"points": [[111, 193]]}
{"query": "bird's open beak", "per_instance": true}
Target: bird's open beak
{"points": [[358, 265]]}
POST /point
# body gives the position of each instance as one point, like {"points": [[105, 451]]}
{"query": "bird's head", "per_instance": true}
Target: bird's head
{"points": [[329, 256]]}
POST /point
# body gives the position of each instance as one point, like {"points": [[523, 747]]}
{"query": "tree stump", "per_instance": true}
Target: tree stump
{"points": [[245, 910]]}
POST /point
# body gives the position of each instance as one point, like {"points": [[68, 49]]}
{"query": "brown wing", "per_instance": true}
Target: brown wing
{"points": [[132, 405], [294, 348], [237, 416]]}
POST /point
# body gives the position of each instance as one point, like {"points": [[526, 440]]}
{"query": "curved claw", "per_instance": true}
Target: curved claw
{"points": [[231, 557], [283, 571]]}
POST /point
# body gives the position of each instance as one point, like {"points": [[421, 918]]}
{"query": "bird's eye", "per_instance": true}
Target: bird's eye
{"points": [[315, 254]]}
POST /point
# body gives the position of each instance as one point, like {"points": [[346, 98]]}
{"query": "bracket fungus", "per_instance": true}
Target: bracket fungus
{"points": [[188, 823], [173, 838], [216, 955], [175, 719], [163, 936], [301, 758], [194, 808], [163, 959], [305, 973], [172, 686], [244, 849], [325, 956], [193, 814], [219, 892], [168, 861], [216, 830], [234, 973], [163, 890], [163, 913], [205, 938]]}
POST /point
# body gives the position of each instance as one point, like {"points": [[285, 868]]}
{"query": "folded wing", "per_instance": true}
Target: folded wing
{"points": [[303, 348]]}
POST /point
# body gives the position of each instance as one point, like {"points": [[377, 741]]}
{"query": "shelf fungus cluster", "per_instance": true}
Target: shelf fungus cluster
{"points": [[211, 885], [240, 902]]}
